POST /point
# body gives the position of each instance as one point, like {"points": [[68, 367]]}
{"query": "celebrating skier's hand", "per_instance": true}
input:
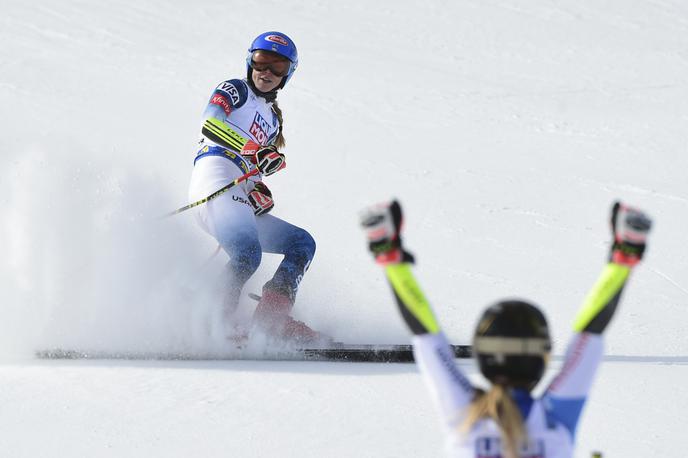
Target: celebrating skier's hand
{"points": [[629, 228], [261, 199], [382, 226], [269, 160]]}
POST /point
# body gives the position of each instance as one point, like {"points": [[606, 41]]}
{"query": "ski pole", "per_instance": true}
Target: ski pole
{"points": [[220, 191]]}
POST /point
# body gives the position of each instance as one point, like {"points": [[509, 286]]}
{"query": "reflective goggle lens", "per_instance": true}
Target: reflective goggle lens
{"points": [[262, 61]]}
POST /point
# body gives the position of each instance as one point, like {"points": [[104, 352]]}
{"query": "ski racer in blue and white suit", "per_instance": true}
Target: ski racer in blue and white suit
{"points": [[240, 121], [508, 357]]}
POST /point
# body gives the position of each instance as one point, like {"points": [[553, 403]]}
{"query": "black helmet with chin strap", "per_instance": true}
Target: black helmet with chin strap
{"points": [[512, 343]]}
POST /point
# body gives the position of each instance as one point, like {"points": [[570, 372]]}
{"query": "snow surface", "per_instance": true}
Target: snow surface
{"points": [[505, 128]]}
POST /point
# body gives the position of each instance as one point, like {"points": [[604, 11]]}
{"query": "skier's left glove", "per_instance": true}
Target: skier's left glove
{"points": [[269, 160], [629, 227], [382, 226], [261, 199]]}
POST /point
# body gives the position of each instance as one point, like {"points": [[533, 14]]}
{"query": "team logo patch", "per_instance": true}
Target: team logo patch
{"points": [[259, 129], [222, 102], [279, 39], [241, 200], [230, 90]]}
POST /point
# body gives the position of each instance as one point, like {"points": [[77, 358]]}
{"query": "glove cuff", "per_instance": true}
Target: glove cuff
{"points": [[396, 256], [624, 259]]}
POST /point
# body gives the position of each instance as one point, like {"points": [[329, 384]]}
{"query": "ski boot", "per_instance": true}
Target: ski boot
{"points": [[272, 317]]}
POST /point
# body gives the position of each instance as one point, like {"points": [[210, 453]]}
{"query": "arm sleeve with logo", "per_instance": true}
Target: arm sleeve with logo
{"points": [[565, 397], [449, 388], [217, 124], [451, 391]]}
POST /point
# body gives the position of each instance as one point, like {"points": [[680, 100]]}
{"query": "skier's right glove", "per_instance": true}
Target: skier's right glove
{"points": [[269, 160], [382, 226], [629, 228]]}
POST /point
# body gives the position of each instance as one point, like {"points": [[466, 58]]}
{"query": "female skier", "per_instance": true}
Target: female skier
{"points": [[242, 131], [512, 345]]}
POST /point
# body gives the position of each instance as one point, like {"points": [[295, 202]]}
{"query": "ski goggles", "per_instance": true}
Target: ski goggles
{"points": [[264, 60]]}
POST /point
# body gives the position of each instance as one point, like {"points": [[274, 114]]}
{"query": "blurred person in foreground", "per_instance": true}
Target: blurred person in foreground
{"points": [[512, 345]]}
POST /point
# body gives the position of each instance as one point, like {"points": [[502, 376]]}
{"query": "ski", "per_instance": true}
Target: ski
{"points": [[374, 353], [337, 353]]}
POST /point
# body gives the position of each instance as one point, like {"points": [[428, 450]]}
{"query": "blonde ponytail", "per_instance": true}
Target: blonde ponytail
{"points": [[498, 405], [279, 141]]}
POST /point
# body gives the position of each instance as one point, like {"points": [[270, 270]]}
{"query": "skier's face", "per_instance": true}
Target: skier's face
{"points": [[268, 70]]}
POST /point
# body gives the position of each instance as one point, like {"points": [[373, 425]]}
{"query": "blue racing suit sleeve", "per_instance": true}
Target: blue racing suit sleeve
{"points": [[565, 397]]}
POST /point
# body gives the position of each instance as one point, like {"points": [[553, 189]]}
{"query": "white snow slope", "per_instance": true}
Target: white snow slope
{"points": [[506, 129]]}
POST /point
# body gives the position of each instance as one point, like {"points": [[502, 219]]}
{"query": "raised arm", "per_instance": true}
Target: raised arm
{"points": [[567, 393], [451, 390]]}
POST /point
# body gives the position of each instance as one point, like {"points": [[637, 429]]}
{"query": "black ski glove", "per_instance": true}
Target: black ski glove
{"points": [[261, 199], [269, 160], [629, 229], [382, 225]]}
